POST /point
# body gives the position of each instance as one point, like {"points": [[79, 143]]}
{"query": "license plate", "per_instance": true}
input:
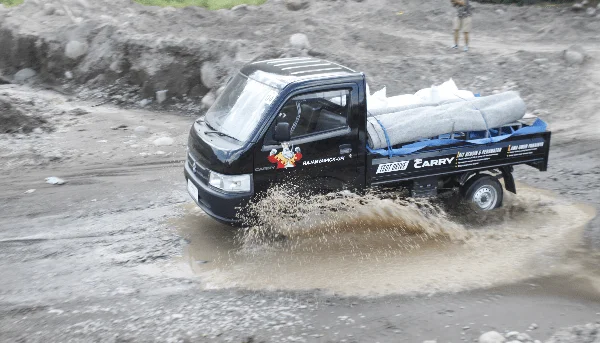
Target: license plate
{"points": [[192, 189]]}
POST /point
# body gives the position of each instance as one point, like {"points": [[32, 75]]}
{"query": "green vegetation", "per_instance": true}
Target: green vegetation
{"points": [[210, 4], [525, 2], [10, 3]]}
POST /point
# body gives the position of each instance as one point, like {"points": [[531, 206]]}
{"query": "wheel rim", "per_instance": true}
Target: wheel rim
{"points": [[485, 198]]}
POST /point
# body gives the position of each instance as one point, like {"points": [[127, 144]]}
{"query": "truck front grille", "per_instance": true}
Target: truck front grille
{"points": [[199, 170]]}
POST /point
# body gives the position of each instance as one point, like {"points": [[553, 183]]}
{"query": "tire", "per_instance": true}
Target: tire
{"points": [[483, 192]]}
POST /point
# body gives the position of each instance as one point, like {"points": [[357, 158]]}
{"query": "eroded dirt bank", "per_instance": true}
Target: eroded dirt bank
{"points": [[118, 253]]}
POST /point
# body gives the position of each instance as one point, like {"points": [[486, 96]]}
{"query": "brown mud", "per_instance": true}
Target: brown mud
{"points": [[381, 246]]}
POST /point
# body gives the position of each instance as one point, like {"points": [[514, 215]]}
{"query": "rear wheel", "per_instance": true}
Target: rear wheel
{"points": [[484, 192]]}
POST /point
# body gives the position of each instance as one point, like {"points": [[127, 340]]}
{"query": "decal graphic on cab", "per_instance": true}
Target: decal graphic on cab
{"points": [[285, 158]]}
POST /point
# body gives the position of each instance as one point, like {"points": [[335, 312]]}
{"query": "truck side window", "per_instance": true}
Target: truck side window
{"points": [[312, 113]]}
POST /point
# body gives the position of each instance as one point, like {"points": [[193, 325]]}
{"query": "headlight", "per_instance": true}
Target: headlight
{"points": [[230, 183]]}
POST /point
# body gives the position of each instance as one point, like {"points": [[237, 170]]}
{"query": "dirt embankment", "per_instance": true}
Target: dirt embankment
{"points": [[123, 52]]}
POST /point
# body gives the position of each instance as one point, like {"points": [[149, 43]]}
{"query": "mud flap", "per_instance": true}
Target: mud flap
{"points": [[509, 181]]}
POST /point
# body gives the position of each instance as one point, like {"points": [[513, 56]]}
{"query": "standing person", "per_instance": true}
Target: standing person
{"points": [[462, 21]]}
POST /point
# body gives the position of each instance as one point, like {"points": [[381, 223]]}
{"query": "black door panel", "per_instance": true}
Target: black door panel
{"points": [[319, 156]]}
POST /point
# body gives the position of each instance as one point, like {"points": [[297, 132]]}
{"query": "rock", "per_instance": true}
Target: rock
{"points": [[38, 131], [500, 11], [533, 326], [29, 191], [491, 337], [573, 57], [296, 5], [209, 75], [53, 156], [78, 112], [208, 100], [116, 67], [68, 75], [590, 11], [75, 49], [145, 102], [141, 129], [24, 74], [161, 96], [240, 8], [163, 141], [53, 180], [523, 337], [577, 7], [49, 9], [511, 335], [299, 41]]}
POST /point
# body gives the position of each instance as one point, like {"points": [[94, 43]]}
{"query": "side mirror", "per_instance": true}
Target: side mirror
{"points": [[282, 132]]}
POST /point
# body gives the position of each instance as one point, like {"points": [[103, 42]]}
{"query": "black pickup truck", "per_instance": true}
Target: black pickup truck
{"points": [[303, 120]]}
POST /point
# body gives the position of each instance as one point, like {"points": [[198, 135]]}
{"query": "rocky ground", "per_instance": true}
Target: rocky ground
{"points": [[99, 258]]}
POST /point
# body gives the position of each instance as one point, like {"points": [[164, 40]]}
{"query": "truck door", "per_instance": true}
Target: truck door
{"points": [[322, 153]]}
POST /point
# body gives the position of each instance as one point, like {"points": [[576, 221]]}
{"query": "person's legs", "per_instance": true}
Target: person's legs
{"points": [[456, 24], [466, 29]]}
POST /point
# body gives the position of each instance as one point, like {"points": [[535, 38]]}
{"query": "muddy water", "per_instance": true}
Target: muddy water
{"points": [[372, 246]]}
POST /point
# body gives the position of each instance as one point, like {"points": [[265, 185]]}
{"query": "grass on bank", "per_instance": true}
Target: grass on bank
{"points": [[10, 3], [210, 4]]}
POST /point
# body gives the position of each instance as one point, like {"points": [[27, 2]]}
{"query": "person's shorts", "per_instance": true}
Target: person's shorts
{"points": [[462, 24]]}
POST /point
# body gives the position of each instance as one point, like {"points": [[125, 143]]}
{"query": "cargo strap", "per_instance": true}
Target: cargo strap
{"points": [[387, 138]]}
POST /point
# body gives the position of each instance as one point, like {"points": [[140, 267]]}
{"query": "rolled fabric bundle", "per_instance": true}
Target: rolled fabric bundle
{"points": [[415, 122]]}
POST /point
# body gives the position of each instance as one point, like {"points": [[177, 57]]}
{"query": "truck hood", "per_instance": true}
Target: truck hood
{"points": [[217, 153]]}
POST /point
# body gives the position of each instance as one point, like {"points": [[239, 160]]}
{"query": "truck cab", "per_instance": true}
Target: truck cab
{"points": [[298, 120]]}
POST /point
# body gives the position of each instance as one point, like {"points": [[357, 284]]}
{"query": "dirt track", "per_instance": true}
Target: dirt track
{"points": [[103, 257]]}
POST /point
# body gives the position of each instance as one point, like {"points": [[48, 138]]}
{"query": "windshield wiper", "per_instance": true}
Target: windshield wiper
{"points": [[221, 134], [203, 120]]}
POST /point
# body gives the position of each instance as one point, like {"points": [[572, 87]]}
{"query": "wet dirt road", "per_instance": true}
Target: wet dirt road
{"points": [[120, 253]]}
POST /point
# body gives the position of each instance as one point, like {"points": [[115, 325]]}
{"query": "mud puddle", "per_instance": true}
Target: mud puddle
{"points": [[354, 245]]}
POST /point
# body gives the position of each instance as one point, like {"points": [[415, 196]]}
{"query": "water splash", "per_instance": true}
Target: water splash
{"points": [[380, 243]]}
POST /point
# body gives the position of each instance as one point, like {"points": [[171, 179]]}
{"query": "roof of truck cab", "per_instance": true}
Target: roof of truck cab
{"points": [[283, 71]]}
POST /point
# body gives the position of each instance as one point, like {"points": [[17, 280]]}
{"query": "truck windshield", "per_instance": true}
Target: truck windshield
{"points": [[240, 107]]}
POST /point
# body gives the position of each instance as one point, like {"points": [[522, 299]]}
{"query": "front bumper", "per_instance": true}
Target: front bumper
{"points": [[224, 207]]}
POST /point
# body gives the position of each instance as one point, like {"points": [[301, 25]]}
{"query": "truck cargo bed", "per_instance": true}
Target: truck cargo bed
{"points": [[532, 149]]}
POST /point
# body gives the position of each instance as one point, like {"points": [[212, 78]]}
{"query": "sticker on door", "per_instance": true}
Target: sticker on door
{"points": [[286, 158]]}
